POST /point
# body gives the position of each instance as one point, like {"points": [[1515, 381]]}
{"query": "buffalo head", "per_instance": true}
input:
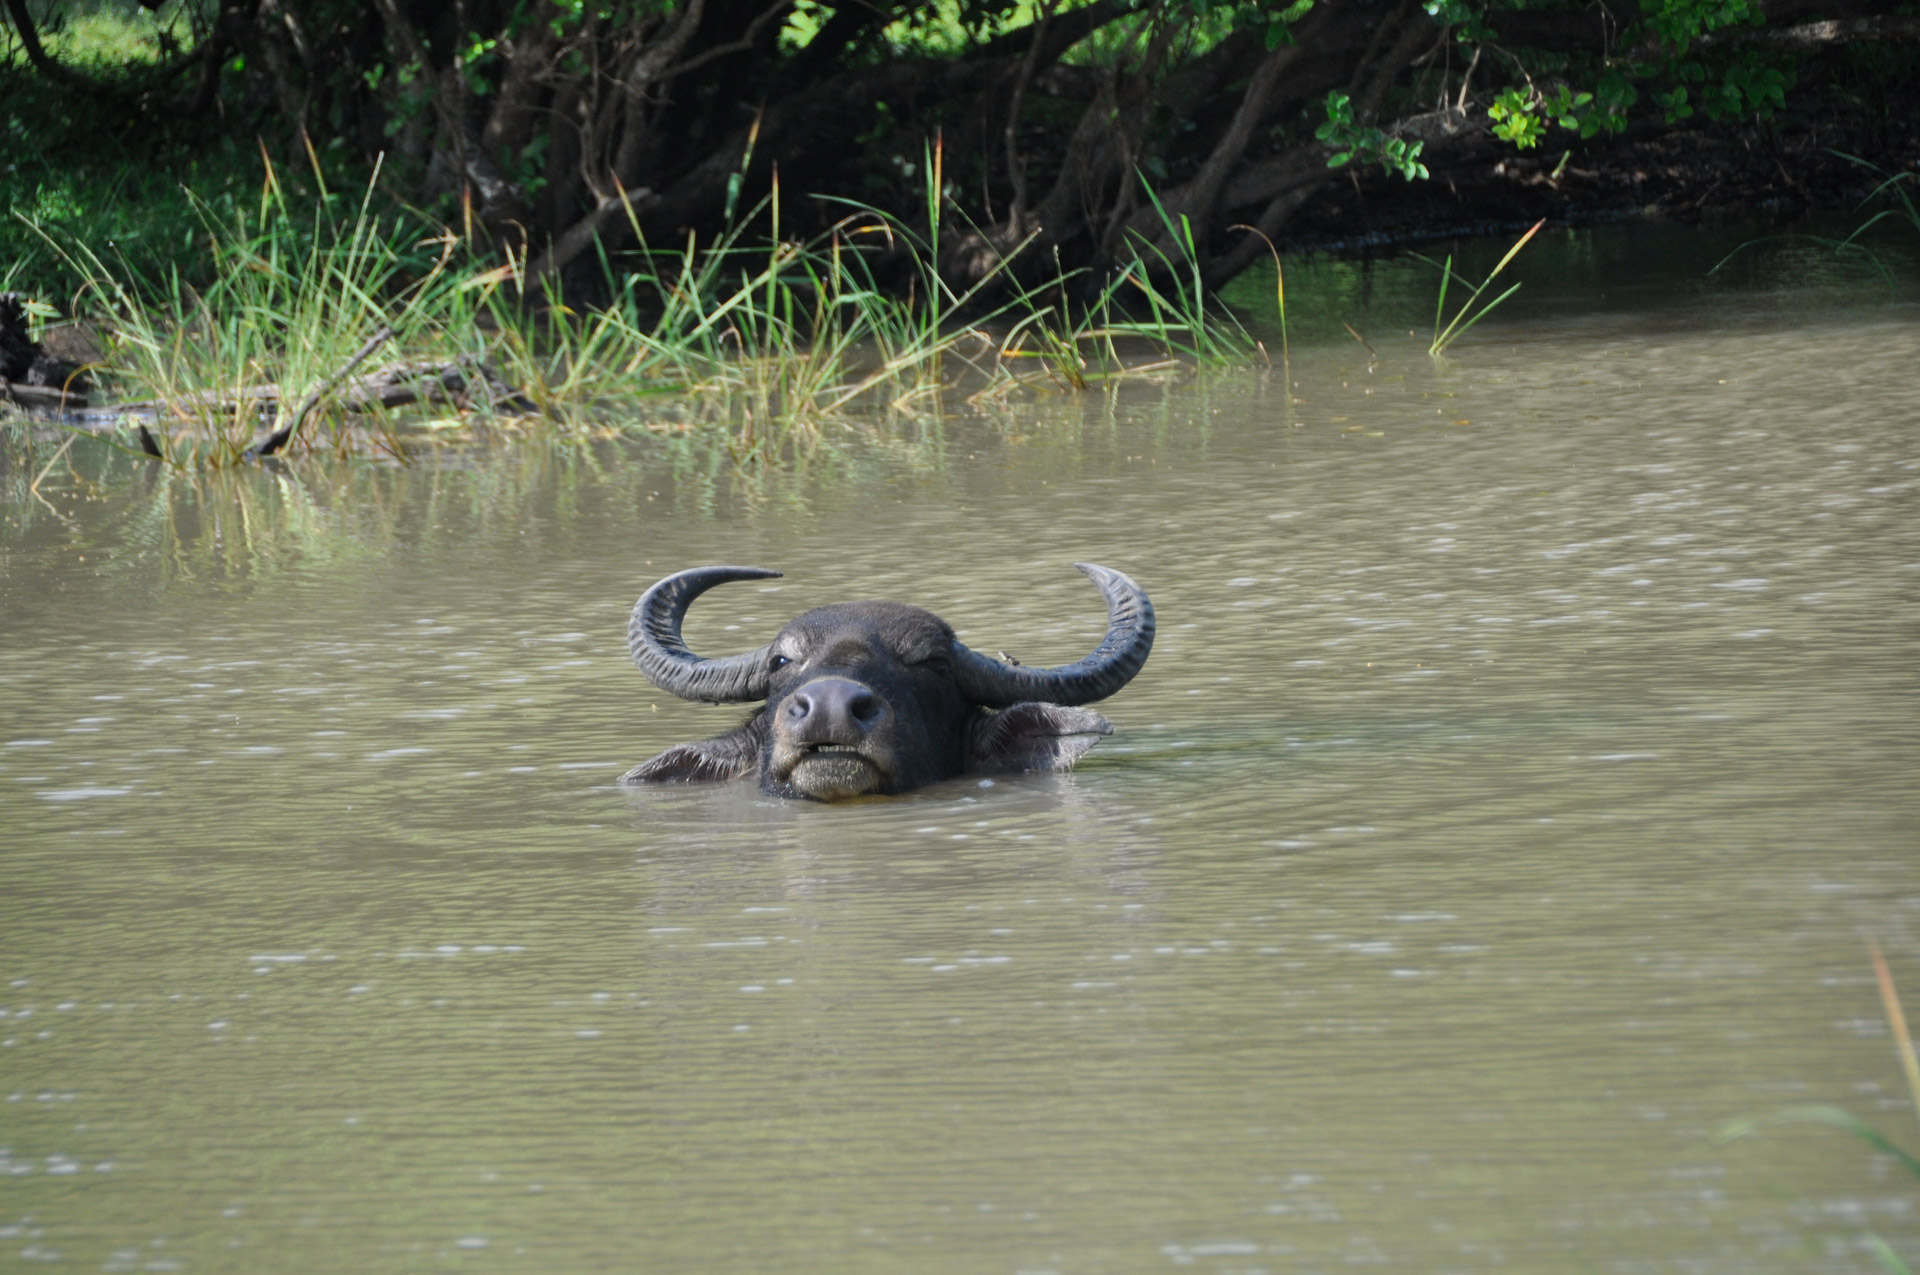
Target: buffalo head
{"points": [[877, 697]]}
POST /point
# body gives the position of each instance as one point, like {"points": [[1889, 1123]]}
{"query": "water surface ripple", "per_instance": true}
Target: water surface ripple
{"points": [[1528, 748]]}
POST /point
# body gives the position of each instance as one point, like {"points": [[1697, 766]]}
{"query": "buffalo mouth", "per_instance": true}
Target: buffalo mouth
{"points": [[833, 772]]}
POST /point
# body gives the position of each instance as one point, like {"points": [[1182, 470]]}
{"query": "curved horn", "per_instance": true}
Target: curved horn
{"points": [[1110, 667], [653, 638]]}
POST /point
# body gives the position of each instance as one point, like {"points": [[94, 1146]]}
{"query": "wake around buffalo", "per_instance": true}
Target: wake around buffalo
{"points": [[875, 698]]}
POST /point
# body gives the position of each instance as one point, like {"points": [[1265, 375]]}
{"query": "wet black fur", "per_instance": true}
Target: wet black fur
{"points": [[929, 731]]}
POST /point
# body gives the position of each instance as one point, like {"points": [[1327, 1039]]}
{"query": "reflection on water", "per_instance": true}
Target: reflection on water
{"points": [[1644, 274], [1527, 748]]}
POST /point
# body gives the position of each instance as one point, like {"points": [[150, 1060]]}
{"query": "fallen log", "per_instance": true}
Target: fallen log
{"points": [[42, 398], [463, 383], [279, 438]]}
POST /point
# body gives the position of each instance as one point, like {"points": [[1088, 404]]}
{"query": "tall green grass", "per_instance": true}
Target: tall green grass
{"points": [[1154, 300], [774, 340], [294, 292], [1446, 331], [1895, 193], [98, 38], [82, 157]]}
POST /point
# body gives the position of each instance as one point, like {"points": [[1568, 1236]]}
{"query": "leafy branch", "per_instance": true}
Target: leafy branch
{"points": [[1351, 140]]}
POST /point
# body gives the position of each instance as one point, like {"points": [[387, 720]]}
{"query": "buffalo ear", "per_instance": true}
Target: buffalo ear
{"points": [[1033, 737], [731, 756]]}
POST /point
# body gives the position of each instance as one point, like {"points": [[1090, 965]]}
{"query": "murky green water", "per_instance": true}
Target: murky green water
{"points": [[1528, 751]]}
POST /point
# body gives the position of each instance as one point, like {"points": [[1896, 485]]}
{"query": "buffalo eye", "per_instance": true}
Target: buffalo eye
{"points": [[778, 662], [941, 664]]}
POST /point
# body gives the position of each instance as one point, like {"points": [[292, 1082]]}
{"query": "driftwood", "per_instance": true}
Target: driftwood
{"points": [[463, 383], [41, 398], [278, 439], [33, 378]]}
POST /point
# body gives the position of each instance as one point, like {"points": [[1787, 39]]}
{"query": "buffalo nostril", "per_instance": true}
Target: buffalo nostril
{"points": [[833, 710]]}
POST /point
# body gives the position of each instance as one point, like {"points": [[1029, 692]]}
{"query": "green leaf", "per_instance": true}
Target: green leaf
{"points": [[1884, 1254], [1832, 1117]]}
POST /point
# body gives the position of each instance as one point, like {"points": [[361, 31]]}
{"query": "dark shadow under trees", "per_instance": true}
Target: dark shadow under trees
{"points": [[558, 128]]}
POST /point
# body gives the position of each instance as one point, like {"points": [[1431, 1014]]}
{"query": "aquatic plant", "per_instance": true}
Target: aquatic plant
{"points": [[1154, 299], [1895, 189], [1466, 316], [296, 292], [1279, 288], [1180, 308], [767, 338], [1844, 1120]]}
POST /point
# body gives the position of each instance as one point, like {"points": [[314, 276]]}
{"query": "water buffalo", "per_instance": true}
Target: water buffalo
{"points": [[877, 697]]}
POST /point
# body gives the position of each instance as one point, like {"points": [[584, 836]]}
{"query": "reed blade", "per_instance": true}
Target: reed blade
{"points": [[1897, 1020]]}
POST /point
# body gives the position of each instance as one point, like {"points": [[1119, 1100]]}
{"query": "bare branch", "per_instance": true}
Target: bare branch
{"points": [[1309, 178], [741, 45], [1016, 164], [281, 437], [1197, 199], [1814, 35], [502, 202], [647, 69], [578, 237]]}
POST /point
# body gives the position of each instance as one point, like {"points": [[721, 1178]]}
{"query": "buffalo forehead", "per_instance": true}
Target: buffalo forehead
{"points": [[907, 631]]}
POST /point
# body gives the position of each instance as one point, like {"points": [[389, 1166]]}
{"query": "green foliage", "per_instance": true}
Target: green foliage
{"points": [[1279, 24], [1673, 104], [150, 219], [771, 341], [1515, 120], [1677, 23], [1722, 82], [1521, 115], [1613, 95], [104, 39], [86, 162], [103, 162], [1463, 17], [1351, 140], [1745, 85], [942, 28], [1742, 84]]}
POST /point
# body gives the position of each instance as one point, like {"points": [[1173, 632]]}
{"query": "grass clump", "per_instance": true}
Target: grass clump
{"points": [[1895, 193], [772, 340], [1155, 300], [293, 292], [1466, 316]]}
